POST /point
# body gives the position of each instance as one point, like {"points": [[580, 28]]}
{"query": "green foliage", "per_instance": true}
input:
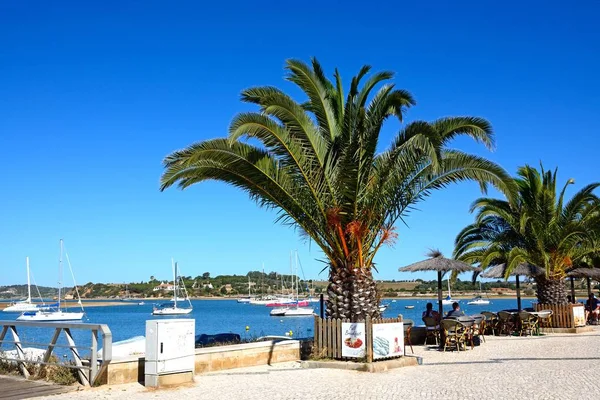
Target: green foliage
{"points": [[316, 162], [538, 227]]}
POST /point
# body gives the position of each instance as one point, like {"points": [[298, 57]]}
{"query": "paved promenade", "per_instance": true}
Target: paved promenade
{"points": [[556, 366]]}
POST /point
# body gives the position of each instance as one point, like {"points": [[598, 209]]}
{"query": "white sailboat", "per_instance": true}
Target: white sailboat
{"points": [[449, 300], [479, 300], [248, 299], [25, 305], [54, 312], [172, 308], [293, 311]]}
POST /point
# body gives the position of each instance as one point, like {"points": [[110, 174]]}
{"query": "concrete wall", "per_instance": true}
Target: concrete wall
{"points": [[131, 369]]}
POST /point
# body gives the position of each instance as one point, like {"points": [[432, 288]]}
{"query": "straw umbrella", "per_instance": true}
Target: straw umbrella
{"points": [[499, 271], [437, 262], [588, 273]]}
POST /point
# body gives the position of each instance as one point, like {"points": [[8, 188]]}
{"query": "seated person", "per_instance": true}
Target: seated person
{"points": [[592, 309], [455, 312], [430, 312]]}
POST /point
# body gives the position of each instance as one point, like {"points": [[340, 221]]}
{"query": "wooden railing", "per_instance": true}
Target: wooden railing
{"points": [[328, 339], [562, 315], [88, 370]]}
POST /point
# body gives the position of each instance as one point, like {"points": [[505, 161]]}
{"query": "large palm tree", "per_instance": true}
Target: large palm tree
{"points": [[538, 227], [316, 162]]}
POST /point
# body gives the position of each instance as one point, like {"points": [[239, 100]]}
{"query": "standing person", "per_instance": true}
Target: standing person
{"points": [[455, 312], [430, 312]]}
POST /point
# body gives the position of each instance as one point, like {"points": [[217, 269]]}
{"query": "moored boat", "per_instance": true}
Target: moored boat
{"points": [[54, 312], [172, 308], [27, 304]]}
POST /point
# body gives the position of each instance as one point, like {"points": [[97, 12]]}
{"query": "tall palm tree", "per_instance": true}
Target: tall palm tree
{"points": [[316, 163], [538, 227]]}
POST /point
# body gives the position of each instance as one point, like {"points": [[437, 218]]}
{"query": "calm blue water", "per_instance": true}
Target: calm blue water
{"points": [[225, 316]]}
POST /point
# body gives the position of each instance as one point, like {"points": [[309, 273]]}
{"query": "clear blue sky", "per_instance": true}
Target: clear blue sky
{"points": [[93, 96]]}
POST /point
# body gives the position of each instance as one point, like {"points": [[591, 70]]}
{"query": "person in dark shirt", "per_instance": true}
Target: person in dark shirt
{"points": [[455, 312], [592, 309], [431, 313]]}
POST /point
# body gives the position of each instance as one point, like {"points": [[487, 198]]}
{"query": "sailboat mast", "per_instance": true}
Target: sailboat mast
{"points": [[28, 283], [60, 271], [174, 265], [296, 277]]}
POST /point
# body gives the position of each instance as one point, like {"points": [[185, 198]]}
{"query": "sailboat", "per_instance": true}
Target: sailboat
{"points": [[248, 299], [479, 300], [54, 312], [449, 300], [293, 310], [25, 305], [172, 308]]}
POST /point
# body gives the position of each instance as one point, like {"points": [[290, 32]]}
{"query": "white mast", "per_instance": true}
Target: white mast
{"points": [[174, 265], [296, 278], [60, 271], [28, 283]]}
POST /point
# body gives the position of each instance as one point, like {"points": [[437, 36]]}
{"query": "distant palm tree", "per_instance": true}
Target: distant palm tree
{"points": [[317, 164], [538, 228]]}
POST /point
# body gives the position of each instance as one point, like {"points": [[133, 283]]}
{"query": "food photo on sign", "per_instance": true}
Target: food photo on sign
{"points": [[353, 340]]}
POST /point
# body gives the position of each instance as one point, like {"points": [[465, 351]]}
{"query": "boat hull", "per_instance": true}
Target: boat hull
{"points": [[478, 303], [171, 311], [292, 312], [51, 316], [22, 307]]}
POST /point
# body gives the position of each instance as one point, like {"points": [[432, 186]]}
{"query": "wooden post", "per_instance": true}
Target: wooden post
{"points": [[20, 353], [589, 285], [572, 290], [83, 377], [440, 305], [321, 305], [518, 293], [369, 339]]}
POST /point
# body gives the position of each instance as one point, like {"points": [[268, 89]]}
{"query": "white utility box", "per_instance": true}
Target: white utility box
{"points": [[170, 345]]}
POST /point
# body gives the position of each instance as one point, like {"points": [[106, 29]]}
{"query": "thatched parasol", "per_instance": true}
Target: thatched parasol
{"points": [[499, 271], [588, 273], [437, 262]]}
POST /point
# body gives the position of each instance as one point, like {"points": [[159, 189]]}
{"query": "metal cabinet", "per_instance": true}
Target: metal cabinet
{"points": [[169, 346]]}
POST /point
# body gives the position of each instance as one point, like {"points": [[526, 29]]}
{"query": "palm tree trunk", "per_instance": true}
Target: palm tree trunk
{"points": [[352, 294], [551, 291]]}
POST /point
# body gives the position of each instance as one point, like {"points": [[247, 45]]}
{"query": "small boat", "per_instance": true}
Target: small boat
{"points": [[54, 312], [383, 307], [479, 300], [291, 312], [128, 347], [244, 300], [449, 300], [409, 307], [141, 303], [171, 308], [24, 305], [248, 299]]}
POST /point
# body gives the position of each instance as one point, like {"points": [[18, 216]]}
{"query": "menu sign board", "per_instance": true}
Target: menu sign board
{"points": [[388, 340], [579, 316], [353, 339]]}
